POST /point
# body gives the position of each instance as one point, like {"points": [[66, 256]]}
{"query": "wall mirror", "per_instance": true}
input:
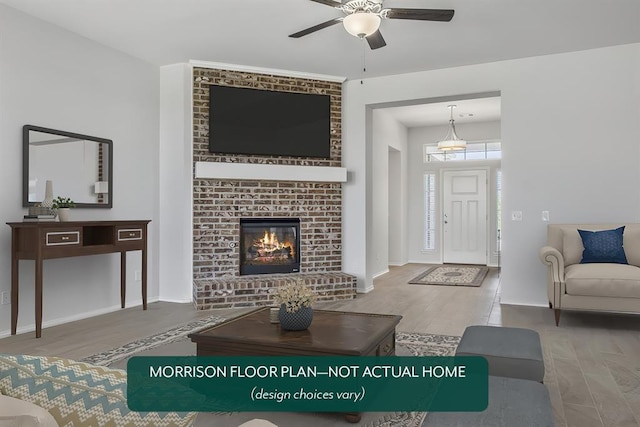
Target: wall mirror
{"points": [[79, 166]]}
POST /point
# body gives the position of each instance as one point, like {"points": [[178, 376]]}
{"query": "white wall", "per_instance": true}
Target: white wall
{"points": [[356, 192], [569, 138], [53, 78], [176, 183], [419, 136], [397, 207], [387, 132]]}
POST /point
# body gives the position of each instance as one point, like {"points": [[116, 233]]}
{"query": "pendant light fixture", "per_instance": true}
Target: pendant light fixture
{"points": [[452, 142]]}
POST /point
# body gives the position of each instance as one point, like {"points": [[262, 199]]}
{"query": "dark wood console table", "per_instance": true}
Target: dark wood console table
{"points": [[48, 240]]}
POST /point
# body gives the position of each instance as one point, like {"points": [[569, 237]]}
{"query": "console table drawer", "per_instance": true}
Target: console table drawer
{"points": [[125, 234], [56, 238]]}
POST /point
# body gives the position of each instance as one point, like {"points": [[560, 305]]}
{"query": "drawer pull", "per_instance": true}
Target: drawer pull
{"points": [[65, 237], [130, 234]]}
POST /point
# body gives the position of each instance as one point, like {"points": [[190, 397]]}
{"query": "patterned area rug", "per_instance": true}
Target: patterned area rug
{"points": [[175, 343], [109, 357], [451, 275], [418, 344]]}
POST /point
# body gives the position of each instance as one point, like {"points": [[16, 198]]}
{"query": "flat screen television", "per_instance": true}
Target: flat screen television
{"points": [[264, 122]]}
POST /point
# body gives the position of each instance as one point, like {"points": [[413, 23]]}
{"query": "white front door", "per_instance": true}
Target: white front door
{"points": [[465, 217]]}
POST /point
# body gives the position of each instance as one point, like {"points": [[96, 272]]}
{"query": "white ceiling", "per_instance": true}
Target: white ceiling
{"points": [[254, 32], [466, 111]]}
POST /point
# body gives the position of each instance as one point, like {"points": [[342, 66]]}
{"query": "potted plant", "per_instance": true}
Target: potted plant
{"points": [[295, 301], [62, 205]]}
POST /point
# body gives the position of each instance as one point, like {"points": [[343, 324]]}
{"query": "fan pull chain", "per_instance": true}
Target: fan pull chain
{"points": [[364, 62]]}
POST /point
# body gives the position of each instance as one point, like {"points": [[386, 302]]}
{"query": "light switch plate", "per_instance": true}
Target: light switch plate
{"points": [[516, 215], [545, 216]]}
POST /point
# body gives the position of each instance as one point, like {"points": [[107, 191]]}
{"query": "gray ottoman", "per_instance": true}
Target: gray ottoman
{"points": [[511, 352], [512, 402]]}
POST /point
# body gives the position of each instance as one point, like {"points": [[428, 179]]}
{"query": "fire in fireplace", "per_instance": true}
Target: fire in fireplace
{"points": [[269, 245]]}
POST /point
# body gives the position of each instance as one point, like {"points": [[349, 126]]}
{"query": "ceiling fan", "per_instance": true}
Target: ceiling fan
{"points": [[363, 18]]}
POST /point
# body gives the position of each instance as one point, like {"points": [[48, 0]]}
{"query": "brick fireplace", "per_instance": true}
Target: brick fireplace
{"points": [[219, 206]]}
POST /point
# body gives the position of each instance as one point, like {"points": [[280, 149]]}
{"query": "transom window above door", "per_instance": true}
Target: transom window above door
{"points": [[476, 150]]}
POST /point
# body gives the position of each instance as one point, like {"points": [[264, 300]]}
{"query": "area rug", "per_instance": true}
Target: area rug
{"points": [[175, 343], [109, 357], [451, 275]]}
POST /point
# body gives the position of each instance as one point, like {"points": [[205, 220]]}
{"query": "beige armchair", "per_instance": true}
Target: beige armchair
{"points": [[597, 286]]}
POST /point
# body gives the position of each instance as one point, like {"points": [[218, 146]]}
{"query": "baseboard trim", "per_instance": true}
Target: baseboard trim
{"points": [[375, 276], [177, 301], [412, 261], [366, 290], [80, 316], [524, 304], [397, 264]]}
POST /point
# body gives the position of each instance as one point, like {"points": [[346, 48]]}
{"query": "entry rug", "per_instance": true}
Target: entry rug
{"points": [[175, 343], [452, 275]]}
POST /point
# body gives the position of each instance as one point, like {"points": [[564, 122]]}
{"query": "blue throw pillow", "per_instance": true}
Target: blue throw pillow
{"points": [[603, 246]]}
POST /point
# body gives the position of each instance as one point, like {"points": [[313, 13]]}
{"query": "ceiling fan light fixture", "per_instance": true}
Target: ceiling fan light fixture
{"points": [[361, 24], [452, 142]]}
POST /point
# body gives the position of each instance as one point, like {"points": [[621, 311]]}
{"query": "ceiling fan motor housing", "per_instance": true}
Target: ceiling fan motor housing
{"points": [[370, 6]]}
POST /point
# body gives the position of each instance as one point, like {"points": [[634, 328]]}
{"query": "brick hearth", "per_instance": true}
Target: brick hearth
{"points": [[248, 291], [218, 205]]}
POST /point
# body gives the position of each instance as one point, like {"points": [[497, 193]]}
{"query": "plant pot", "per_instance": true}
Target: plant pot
{"points": [[63, 214], [296, 321]]}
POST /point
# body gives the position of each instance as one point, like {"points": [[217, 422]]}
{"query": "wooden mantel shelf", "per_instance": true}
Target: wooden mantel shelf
{"points": [[266, 172]]}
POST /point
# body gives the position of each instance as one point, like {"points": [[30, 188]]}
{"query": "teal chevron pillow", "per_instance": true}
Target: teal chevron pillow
{"points": [[78, 394]]}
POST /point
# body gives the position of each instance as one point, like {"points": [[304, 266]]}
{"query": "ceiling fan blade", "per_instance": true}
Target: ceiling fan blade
{"points": [[316, 28], [331, 3], [420, 14], [376, 41]]}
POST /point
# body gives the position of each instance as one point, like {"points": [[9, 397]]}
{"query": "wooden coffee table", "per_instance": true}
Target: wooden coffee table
{"points": [[332, 333]]}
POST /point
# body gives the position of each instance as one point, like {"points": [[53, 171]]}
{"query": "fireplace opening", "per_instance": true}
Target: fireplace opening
{"points": [[269, 245]]}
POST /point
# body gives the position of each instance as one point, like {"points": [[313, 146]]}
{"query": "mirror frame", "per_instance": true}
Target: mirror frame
{"points": [[25, 164]]}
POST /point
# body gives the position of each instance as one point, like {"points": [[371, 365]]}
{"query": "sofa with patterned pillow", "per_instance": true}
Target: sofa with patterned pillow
{"points": [[74, 394], [593, 267]]}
